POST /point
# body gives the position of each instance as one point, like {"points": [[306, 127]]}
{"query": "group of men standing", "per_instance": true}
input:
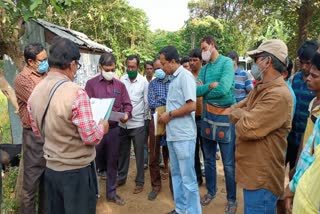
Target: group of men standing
{"points": [[204, 108]]}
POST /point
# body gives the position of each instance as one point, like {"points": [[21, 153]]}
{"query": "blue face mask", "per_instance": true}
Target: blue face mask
{"points": [[43, 66], [159, 73]]}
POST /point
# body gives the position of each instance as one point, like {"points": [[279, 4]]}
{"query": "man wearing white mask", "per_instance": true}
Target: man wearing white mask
{"points": [[262, 122], [216, 88], [106, 85], [157, 96], [34, 163]]}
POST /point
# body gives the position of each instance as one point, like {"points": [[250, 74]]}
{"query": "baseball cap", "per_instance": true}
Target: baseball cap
{"points": [[276, 47]]}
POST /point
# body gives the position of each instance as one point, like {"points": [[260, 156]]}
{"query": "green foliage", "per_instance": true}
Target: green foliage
{"points": [[9, 204], [5, 129]]}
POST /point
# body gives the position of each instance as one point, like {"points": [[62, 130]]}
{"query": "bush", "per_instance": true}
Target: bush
{"points": [[9, 204], [5, 129]]}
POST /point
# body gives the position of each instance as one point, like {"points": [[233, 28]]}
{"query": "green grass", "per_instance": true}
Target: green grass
{"points": [[5, 129]]}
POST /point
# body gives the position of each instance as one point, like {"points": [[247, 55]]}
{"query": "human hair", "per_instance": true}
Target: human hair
{"points": [[289, 67], [277, 64], [210, 40], [132, 57], [234, 56], [184, 60], [156, 58], [307, 50], [62, 52], [148, 63], [107, 59], [170, 53], [196, 53], [31, 51], [315, 61]]}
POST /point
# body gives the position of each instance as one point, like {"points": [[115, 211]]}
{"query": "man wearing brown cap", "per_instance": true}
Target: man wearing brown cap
{"points": [[262, 123]]}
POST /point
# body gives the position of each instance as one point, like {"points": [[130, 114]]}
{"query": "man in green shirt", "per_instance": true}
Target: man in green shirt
{"points": [[217, 78]]}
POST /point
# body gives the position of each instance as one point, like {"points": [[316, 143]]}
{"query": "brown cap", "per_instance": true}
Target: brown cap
{"points": [[276, 47]]}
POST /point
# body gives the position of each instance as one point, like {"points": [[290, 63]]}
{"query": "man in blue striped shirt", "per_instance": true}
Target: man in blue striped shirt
{"points": [[243, 84]]}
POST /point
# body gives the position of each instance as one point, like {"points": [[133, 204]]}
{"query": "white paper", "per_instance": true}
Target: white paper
{"points": [[100, 107], [155, 120], [116, 116]]}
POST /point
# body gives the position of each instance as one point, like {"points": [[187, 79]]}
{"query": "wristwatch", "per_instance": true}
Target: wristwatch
{"points": [[170, 115]]}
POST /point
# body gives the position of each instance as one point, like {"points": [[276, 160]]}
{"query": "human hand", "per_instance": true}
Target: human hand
{"points": [[164, 117], [213, 85], [288, 197], [125, 118], [105, 126]]}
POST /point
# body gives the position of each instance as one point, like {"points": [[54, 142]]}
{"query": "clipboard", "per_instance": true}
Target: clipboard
{"points": [[159, 128]]}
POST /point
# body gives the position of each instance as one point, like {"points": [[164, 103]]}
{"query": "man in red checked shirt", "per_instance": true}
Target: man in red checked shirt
{"points": [[106, 86], [69, 132]]}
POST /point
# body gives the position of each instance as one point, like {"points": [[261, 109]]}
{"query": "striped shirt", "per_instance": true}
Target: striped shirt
{"points": [[303, 96], [307, 156], [243, 85]]}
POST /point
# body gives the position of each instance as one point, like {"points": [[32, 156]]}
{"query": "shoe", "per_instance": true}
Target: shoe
{"points": [[102, 174], [117, 200], [173, 212], [207, 198], [153, 195], [145, 166], [161, 165], [137, 189], [231, 207]]}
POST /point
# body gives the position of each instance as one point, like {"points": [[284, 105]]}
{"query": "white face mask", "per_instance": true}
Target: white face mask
{"points": [[108, 75]]}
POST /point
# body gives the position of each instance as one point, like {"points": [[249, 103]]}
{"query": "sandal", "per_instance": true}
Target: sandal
{"points": [[231, 207], [206, 199]]}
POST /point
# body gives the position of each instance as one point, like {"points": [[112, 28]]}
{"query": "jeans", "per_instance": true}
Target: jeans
{"points": [[260, 201], [185, 186], [227, 153]]}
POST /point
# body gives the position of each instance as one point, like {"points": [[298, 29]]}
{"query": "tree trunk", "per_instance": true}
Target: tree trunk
{"points": [[8, 91], [305, 13]]}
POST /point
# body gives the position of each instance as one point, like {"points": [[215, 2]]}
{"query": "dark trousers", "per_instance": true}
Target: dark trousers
{"points": [[71, 191], [294, 140], [146, 138], [33, 174], [135, 135], [197, 163], [154, 158], [107, 158]]}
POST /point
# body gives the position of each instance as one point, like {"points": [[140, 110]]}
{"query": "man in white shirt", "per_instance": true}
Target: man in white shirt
{"points": [[133, 130]]}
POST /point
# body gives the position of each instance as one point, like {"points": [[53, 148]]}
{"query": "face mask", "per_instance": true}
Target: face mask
{"points": [[132, 74], [256, 72], [108, 75], [159, 73], [43, 67]]}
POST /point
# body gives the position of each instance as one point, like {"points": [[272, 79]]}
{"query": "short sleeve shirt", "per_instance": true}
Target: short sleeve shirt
{"points": [[181, 89]]}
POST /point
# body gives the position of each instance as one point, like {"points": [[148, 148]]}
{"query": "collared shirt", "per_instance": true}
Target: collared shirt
{"points": [[98, 87], [243, 84], [24, 84], [262, 123], [221, 71], [138, 93], [303, 96], [307, 156], [182, 88], [157, 93], [90, 132]]}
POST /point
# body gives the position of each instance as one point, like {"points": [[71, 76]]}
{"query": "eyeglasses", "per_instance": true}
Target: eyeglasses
{"points": [[78, 64]]}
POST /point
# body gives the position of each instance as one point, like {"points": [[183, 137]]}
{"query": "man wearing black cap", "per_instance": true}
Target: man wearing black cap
{"points": [[262, 123]]}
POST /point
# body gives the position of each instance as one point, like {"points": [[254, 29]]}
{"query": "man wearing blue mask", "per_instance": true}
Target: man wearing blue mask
{"points": [[157, 96], [34, 163]]}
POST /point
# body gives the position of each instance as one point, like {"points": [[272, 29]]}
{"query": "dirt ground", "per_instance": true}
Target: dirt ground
{"points": [[139, 203]]}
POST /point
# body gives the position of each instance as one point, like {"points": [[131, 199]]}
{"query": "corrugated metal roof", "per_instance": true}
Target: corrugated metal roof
{"points": [[77, 37]]}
